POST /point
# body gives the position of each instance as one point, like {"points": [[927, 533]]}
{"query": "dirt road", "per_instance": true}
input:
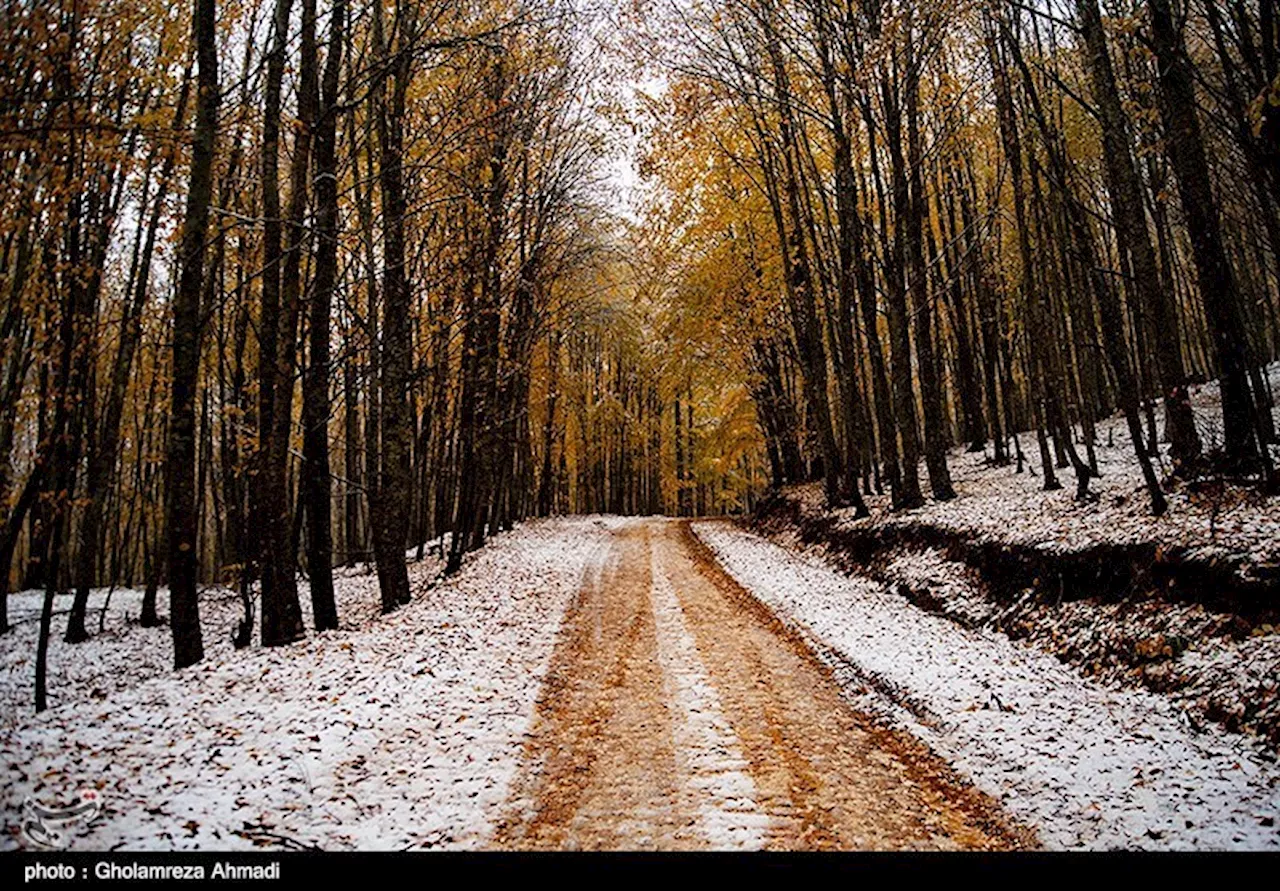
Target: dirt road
{"points": [[678, 713]]}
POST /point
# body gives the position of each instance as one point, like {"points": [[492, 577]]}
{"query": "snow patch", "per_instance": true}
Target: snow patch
{"points": [[707, 749]]}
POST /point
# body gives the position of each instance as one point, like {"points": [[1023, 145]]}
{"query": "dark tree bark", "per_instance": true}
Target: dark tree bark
{"points": [[880, 389], [935, 439], [958, 272], [391, 515], [1108, 301], [180, 495], [482, 409], [1185, 146], [315, 385], [800, 289], [102, 464], [1010, 140], [1131, 230], [277, 323], [849, 257], [546, 482], [13, 529], [904, 397], [353, 545]]}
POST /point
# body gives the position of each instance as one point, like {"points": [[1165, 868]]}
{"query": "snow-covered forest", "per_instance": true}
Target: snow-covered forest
{"points": [[786, 424]]}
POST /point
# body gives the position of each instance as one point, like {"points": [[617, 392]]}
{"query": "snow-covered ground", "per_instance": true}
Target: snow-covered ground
{"points": [[1000, 504], [1220, 666], [123, 653], [1087, 765], [400, 731]]}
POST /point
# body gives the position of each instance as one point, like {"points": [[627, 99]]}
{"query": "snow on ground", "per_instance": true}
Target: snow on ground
{"points": [[393, 732], [706, 747], [1087, 765], [947, 583], [124, 653], [999, 504]]}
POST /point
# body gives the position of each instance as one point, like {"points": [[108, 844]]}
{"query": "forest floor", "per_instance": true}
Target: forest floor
{"points": [[599, 682], [396, 731], [1186, 604], [1210, 520]]}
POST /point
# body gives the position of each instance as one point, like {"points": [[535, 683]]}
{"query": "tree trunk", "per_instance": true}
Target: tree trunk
{"points": [[904, 397], [316, 477], [935, 440], [281, 616], [391, 521], [180, 500], [1134, 236], [1185, 147]]}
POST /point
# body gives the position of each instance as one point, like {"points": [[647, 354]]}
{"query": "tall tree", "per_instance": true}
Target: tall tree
{"points": [[1135, 238], [180, 495], [390, 513], [1185, 146], [315, 385]]}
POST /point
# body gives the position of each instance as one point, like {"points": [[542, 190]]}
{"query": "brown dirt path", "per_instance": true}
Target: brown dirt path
{"points": [[678, 713]]}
